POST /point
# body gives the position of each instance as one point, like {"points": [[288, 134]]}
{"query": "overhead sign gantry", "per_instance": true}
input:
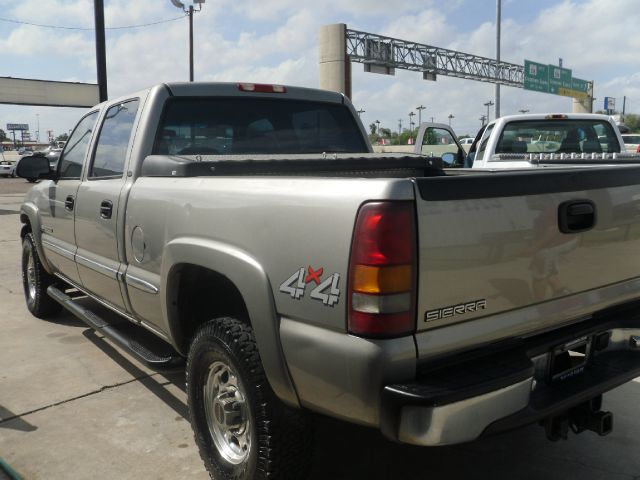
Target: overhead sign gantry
{"points": [[340, 46]]}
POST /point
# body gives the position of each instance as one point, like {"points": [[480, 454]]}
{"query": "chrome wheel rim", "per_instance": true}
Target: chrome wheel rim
{"points": [[227, 413], [31, 275]]}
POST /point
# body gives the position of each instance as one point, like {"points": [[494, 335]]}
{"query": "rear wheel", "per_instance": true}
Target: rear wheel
{"points": [[242, 429], [35, 281]]}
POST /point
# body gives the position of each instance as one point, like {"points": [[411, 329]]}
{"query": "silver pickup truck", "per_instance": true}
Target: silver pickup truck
{"points": [[248, 229]]}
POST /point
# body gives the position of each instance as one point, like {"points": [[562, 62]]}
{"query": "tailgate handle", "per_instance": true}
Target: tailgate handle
{"points": [[576, 216]]}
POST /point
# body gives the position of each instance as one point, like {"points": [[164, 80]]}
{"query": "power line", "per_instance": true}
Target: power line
{"points": [[9, 20]]}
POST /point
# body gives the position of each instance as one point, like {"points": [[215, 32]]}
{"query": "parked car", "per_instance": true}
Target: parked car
{"points": [[466, 143], [7, 168], [631, 142]]}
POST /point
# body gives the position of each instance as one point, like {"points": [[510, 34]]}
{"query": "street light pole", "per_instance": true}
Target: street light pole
{"points": [[420, 108], [399, 126], [189, 11], [498, 15], [488, 104], [411, 115], [450, 117], [190, 43]]}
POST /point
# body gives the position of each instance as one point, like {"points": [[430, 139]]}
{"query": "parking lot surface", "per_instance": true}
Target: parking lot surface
{"points": [[73, 406]]}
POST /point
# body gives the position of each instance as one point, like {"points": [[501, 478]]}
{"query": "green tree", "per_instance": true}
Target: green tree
{"points": [[3, 136], [62, 138], [632, 121], [372, 128]]}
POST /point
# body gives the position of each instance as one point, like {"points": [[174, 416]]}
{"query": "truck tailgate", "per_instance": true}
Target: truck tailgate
{"points": [[491, 245]]}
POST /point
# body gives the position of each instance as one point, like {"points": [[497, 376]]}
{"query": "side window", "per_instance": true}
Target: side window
{"points": [[482, 146], [75, 150], [113, 140]]}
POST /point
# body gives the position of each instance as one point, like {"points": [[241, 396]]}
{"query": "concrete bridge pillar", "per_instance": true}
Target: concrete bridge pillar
{"points": [[335, 67]]}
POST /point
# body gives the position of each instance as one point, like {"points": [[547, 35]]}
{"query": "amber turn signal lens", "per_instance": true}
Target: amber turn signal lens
{"points": [[382, 280]]}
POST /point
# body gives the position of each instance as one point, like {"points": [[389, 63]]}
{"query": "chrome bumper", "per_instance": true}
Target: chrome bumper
{"points": [[502, 391]]}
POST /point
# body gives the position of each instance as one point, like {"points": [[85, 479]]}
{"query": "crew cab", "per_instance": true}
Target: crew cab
{"points": [[250, 230]]}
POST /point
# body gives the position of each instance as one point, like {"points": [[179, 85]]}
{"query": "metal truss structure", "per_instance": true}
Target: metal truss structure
{"points": [[390, 53]]}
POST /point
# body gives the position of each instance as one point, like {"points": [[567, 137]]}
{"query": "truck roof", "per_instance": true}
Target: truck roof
{"points": [[227, 89], [554, 116]]}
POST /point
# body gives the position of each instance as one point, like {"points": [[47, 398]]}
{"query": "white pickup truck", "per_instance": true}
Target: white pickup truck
{"points": [[534, 140]]}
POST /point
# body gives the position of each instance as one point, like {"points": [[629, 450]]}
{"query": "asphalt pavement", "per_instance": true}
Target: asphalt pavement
{"points": [[73, 406]]}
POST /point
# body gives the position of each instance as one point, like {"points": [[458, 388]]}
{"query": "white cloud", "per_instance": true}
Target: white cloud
{"points": [[276, 42]]}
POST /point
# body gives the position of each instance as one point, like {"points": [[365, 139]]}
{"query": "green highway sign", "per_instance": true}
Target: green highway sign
{"points": [[553, 79], [559, 78], [536, 76], [580, 85]]}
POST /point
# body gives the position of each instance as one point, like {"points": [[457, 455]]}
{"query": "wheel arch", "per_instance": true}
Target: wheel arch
{"points": [[30, 218], [237, 277]]}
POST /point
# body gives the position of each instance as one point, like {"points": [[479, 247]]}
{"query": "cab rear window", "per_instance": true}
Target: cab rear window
{"points": [[558, 136], [224, 126]]}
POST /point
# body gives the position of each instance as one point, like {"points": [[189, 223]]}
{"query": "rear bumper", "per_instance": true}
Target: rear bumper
{"points": [[493, 392]]}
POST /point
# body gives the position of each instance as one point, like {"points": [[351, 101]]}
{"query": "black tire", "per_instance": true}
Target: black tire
{"points": [[35, 281], [32, 180], [278, 438]]}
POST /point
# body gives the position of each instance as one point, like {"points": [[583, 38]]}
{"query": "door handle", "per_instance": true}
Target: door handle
{"points": [[106, 209], [69, 202], [576, 216]]}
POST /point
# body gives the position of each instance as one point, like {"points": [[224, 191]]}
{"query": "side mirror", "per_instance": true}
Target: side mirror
{"points": [[33, 168], [449, 158]]}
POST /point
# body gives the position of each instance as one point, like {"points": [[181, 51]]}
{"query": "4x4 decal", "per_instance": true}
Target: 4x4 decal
{"points": [[326, 290]]}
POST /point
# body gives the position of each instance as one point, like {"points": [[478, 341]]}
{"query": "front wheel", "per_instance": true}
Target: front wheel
{"points": [[36, 280], [242, 429]]}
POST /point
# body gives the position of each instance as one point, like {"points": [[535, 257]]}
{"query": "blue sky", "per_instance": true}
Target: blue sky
{"points": [[277, 41]]}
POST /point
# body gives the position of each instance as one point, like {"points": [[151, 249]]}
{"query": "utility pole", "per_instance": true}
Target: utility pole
{"points": [[498, 15], [101, 56], [483, 118], [411, 115], [359, 112], [420, 108], [399, 126], [523, 110], [450, 117], [378, 127]]}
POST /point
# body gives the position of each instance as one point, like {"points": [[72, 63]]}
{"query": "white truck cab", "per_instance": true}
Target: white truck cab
{"points": [[532, 140]]}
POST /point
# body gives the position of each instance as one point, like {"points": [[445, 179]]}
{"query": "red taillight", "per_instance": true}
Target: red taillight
{"points": [[638, 149], [261, 88], [382, 270]]}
